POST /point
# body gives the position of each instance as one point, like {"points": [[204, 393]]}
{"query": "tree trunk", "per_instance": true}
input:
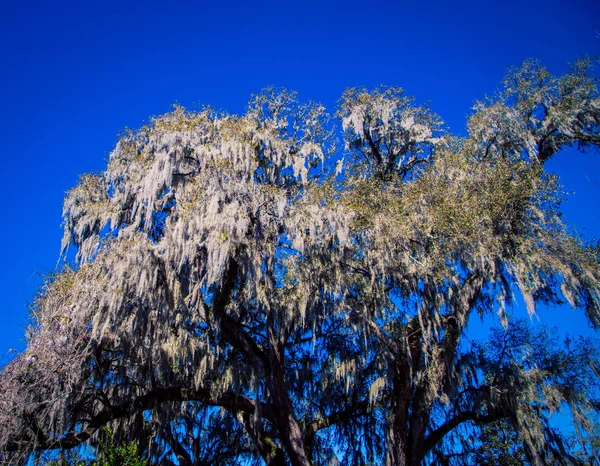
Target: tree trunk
{"points": [[289, 428], [291, 435], [401, 390]]}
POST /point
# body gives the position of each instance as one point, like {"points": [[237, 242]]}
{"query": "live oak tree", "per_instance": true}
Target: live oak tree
{"points": [[239, 298]]}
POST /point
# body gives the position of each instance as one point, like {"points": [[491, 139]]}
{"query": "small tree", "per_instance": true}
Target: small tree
{"points": [[236, 298], [500, 444], [112, 454], [108, 453]]}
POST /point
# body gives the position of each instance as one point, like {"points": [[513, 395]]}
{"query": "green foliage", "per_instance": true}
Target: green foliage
{"points": [[500, 444], [111, 453]]}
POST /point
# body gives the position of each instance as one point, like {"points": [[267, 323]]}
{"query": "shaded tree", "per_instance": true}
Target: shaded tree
{"points": [[236, 297], [500, 444], [109, 453]]}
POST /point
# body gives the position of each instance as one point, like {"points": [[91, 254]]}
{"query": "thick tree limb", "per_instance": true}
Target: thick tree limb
{"points": [[229, 400], [435, 436]]}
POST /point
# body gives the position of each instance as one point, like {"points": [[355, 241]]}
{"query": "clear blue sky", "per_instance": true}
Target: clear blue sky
{"points": [[73, 75]]}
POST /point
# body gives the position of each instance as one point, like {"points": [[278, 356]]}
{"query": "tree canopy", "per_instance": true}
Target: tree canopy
{"points": [[247, 290]]}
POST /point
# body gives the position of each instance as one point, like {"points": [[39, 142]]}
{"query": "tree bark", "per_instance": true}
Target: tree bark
{"points": [[289, 427], [412, 405], [401, 391]]}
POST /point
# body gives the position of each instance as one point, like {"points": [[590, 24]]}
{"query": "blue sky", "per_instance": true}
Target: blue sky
{"points": [[74, 74]]}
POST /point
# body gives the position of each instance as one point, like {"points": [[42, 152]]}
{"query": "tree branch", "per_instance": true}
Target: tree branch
{"points": [[435, 436], [229, 400]]}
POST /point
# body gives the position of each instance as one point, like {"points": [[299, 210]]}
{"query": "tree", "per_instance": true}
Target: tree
{"points": [[500, 444], [237, 298], [108, 454]]}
